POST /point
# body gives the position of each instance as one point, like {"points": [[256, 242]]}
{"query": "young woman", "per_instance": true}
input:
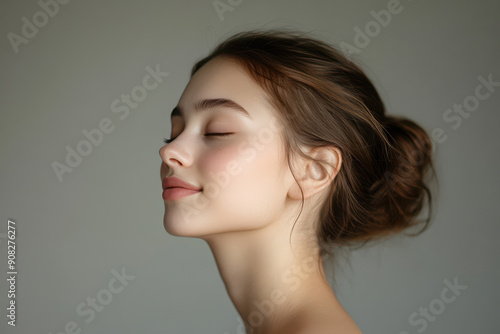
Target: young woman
{"points": [[280, 153]]}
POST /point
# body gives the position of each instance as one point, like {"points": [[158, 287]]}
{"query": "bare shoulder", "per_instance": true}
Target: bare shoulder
{"points": [[321, 313], [329, 330], [327, 327], [324, 321]]}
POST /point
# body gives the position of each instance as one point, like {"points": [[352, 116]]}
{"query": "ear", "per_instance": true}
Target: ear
{"points": [[310, 174]]}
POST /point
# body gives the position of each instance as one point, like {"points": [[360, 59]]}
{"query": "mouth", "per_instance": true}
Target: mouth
{"points": [[175, 188]]}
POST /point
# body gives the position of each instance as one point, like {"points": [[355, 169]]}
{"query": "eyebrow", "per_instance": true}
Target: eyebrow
{"points": [[206, 104]]}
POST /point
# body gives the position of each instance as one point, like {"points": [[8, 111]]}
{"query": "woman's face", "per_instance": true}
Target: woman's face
{"points": [[244, 176]]}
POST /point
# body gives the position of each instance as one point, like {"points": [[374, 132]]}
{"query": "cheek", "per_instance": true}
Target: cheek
{"points": [[216, 163], [241, 180]]}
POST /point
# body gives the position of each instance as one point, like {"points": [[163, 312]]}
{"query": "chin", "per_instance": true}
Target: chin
{"points": [[180, 225], [195, 228]]}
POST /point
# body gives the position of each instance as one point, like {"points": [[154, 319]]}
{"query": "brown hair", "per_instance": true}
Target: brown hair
{"points": [[324, 99]]}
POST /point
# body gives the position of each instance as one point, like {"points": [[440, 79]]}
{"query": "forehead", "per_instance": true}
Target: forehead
{"points": [[224, 78]]}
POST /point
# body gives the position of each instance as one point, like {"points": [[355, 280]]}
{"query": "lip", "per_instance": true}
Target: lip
{"points": [[174, 182], [174, 188], [171, 194]]}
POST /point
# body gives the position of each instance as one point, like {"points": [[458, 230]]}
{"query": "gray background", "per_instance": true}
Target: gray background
{"points": [[107, 213]]}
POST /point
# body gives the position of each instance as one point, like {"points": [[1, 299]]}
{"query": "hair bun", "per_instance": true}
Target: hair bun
{"points": [[413, 147], [405, 188]]}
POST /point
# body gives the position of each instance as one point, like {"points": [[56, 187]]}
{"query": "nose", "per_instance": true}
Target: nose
{"points": [[173, 156]]}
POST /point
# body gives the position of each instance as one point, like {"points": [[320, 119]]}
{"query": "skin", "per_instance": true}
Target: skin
{"points": [[277, 285]]}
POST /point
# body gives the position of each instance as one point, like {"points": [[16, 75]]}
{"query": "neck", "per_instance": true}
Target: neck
{"points": [[267, 277]]}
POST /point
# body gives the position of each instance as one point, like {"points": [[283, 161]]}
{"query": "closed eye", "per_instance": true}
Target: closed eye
{"points": [[219, 134], [168, 141]]}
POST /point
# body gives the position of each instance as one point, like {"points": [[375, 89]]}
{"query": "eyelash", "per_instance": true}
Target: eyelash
{"points": [[168, 141]]}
